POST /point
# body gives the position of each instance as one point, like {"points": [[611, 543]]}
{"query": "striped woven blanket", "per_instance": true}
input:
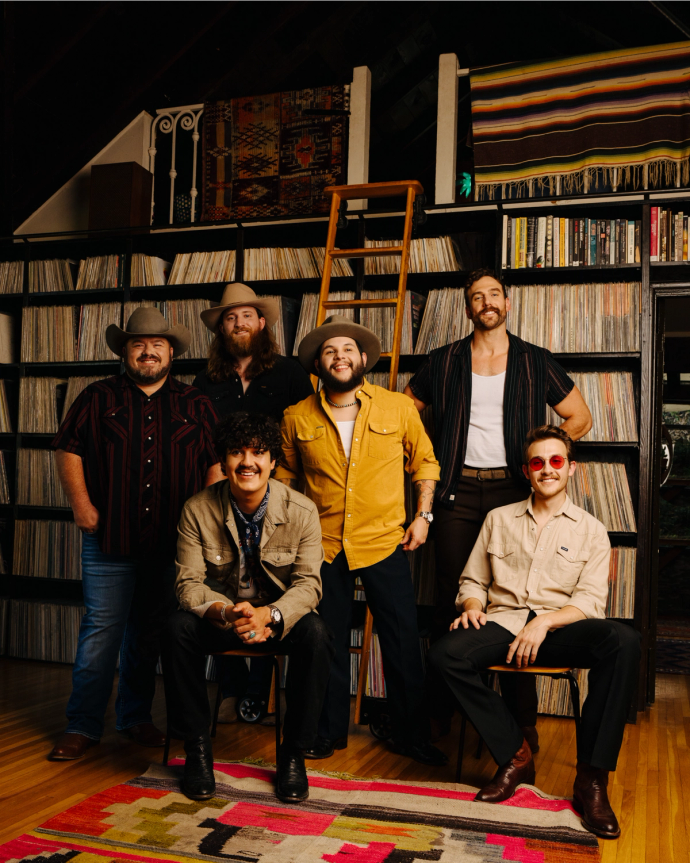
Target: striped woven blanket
{"points": [[562, 125]]}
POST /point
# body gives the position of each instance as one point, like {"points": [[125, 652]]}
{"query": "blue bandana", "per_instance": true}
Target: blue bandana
{"points": [[249, 533]]}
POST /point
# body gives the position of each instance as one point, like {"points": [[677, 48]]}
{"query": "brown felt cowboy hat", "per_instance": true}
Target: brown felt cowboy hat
{"points": [[237, 294], [337, 325], [148, 321]]}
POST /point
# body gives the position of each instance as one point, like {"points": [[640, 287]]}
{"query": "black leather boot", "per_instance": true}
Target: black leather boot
{"points": [[198, 782], [292, 784], [324, 748]]}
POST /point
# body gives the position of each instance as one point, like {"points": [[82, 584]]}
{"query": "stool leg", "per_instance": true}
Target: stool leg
{"points": [[276, 673], [575, 698], [216, 709], [461, 748]]}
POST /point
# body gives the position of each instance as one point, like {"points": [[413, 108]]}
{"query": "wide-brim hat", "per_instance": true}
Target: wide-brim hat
{"points": [[237, 294], [148, 321], [334, 326]]}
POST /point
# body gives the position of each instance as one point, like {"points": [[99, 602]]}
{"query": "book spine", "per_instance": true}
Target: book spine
{"points": [[685, 238], [570, 224], [504, 243], [541, 242], [607, 242], [549, 241], [593, 242], [679, 237], [556, 241], [672, 236], [530, 241], [612, 241], [654, 235], [562, 260], [630, 257], [576, 242], [514, 243], [522, 246], [601, 250], [638, 241]]}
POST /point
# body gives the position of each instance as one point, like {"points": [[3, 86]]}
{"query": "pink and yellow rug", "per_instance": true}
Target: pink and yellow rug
{"points": [[343, 821]]}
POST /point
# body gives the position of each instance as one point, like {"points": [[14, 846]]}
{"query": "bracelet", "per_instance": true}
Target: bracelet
{"points": [[222, 614]]}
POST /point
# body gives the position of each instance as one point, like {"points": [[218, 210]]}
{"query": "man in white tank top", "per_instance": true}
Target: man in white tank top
{"points": [[487, 391]]}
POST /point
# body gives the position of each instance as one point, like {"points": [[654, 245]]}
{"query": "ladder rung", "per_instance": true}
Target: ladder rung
{"points": [[353, 304], [385, 354], [356, 650], [377, 252], [375, 190]]}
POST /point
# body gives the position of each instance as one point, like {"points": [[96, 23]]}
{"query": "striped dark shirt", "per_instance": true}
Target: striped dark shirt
{"points": [[533, 380], [143, 457]]}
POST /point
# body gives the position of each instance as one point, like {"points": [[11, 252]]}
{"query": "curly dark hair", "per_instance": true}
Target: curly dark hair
{"points": [[247, 429], [478, 274]]}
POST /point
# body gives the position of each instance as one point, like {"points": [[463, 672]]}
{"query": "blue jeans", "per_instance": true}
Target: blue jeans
{"points": [[127, 602]]}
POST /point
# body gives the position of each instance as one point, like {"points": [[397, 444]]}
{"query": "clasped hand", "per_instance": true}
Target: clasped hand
{"points": [[249, 619]]}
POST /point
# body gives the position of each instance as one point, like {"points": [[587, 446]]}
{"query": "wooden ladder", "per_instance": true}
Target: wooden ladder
{"points": [[410, 189]]}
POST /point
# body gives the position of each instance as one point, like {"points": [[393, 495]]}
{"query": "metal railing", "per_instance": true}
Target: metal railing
{"points": [[170, 120]]}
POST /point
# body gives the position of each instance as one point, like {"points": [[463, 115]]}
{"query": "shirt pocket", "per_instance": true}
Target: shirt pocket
{"points": [[504, 561], [279, 561], [569, 563], [312, 445], [220, 563], [115, 424], [184, 430], [384, 440]]}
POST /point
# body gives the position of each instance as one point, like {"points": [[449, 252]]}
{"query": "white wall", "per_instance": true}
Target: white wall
{"points": [[68, 208]]}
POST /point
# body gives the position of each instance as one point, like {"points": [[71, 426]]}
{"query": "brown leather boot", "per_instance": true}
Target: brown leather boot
{"points": [[531, 735], [71, 746], [519, 770], [591, 799]]}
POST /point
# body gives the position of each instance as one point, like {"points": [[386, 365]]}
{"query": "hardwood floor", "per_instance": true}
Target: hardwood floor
{"points": [[650, 791]]}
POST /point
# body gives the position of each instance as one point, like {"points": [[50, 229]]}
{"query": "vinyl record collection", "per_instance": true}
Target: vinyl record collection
{"points": [[11, 277], [621, 601], [65, 334], [610, 396], [589, 318], [196, 268], [52, 275], [309, 310], [74, 387], [429, 255], [4, 485], [307, 263], [38, 405], [47, 549], [382, 319], [147, 270], [98, 273], [37, 479], [444, 320], [554, 695], [602, 490], [376, 685], [184, 312], [94, 319], [5, 421], [43, 630]]}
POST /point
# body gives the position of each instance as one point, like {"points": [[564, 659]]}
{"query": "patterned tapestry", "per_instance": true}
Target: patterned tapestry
{"points": [[581, 117], [269, 156]]}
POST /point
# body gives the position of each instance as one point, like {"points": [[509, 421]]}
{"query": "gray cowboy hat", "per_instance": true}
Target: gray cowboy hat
{"points": [[337, 325], [148, 321], [237, 294]]}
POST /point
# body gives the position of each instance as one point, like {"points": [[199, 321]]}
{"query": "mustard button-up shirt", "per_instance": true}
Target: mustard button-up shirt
{"points": [[512, 571], [361, 500]]}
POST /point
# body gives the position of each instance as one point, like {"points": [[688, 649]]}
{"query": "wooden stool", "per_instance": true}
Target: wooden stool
{"points": [[556, 673], [245, 653]]}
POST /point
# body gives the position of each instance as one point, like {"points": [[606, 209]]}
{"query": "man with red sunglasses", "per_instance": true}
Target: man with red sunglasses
{"points": [[535, 586]]}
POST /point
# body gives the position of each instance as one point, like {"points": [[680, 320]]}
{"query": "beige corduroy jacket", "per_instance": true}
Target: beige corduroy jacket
{"points": [[208, 561]]}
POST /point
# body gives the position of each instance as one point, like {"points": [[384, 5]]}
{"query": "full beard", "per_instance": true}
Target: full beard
{"points": [[241, 347], [335, 385], [479, 324], [146, 375]]}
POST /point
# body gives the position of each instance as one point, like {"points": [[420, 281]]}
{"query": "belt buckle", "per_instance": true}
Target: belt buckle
{"points": [[480, 478]]}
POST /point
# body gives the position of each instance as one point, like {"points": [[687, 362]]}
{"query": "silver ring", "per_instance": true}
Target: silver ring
{"points": [[252, 634]]}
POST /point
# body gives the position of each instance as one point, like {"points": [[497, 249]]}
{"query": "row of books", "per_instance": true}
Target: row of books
{"points": [[67, 333], [37, 479], [553, 695], [43, 630], [610, 396], [99, 273], [552, 241], [621, 600], [444, 320], [195, 268], [47, 549], [668, 239], [4, 485], [602, 490], [51, 275], [376, 684], [5, 421], [11, 277], [427, 255], [147, 270], [283, 263]]}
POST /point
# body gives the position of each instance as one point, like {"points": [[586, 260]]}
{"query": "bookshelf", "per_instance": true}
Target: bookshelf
{"points": [[477, 230]]}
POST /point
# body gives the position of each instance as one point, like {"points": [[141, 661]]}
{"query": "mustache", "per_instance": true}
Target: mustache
{"points": [[148, 357], [246, 467]]}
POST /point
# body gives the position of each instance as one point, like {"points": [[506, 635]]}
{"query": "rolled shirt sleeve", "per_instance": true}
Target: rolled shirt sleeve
{"points": [[421, 461], [559, 384], [591, 591]]}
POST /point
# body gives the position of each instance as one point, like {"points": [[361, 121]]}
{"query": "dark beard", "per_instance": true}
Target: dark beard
{"points": [[243, 347], [479, 323], [142, 376], [337, 386]]}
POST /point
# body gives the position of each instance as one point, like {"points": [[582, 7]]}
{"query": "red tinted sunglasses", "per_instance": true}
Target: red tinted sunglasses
{"points": [[537, 463]]}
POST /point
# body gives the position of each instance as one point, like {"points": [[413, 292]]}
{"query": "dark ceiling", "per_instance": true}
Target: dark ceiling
{"points": [[74, 74]]}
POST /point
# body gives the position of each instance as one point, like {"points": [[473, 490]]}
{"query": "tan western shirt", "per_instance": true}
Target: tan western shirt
{"points": [[511, 572], [208, 558], [361, 500]]}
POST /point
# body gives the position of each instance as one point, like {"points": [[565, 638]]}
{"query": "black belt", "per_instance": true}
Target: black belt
{"points": [[484, 473]]}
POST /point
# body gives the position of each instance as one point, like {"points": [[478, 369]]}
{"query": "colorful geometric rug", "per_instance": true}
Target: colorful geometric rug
{"points": [[673, 656], [274, 155], [343, 821]]}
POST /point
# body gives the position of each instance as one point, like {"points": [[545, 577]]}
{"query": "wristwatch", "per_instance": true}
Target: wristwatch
{"points": [[276, 616], [427, 516]]}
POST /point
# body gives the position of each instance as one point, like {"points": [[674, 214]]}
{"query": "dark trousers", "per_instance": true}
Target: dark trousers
{"points": [[611, 651], [455, 533], [390, 596], [188, 639]]}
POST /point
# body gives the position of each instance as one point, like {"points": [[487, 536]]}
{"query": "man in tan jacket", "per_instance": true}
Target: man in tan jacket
{"points": [[248, 563]]}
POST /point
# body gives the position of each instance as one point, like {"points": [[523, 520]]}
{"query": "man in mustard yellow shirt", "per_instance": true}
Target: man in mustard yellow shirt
{"points": [[351, 443]]}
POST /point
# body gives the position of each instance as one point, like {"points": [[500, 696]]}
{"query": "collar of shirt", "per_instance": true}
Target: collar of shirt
{"points": [[567, 508], [251, 524], [132, 384], [366, 389]]}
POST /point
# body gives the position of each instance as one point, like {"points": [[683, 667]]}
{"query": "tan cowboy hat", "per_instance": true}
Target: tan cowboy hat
{"points": [[237, 294], [148, 321], [337, 325]]}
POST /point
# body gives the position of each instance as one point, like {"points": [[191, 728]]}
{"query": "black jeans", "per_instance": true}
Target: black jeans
{"points": [[390, 596], [611, 650], [188, 639], [455, 533]]}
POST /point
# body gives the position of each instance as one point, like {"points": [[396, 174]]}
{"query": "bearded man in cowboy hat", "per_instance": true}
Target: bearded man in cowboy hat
{"points": [[351, 443], [246, 372], [132, 449]]}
